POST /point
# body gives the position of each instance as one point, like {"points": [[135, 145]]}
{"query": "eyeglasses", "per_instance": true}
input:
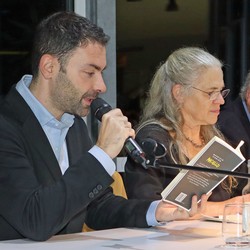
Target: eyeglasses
{"points": [[213, 95]]}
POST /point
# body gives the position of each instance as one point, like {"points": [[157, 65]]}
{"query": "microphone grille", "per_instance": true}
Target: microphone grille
{"points": [[100, 107]]}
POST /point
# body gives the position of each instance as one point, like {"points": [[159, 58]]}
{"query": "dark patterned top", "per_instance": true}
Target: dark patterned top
{"points": [[149, 183]]}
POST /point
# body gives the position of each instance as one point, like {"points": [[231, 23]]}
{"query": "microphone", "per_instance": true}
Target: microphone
{"points": [[155, 151], [132, 148], [151, 151]]}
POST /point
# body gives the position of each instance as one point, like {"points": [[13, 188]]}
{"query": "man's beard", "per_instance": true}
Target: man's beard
{"points": [[67, 98]]}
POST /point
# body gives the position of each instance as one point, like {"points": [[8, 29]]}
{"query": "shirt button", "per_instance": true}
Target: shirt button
{"points": [[99, 187]]}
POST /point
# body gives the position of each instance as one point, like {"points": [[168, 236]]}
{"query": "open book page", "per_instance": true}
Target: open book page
{"points": [[216, 154]]}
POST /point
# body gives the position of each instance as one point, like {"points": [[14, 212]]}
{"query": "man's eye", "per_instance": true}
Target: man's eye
{"points": [[89, 73]]}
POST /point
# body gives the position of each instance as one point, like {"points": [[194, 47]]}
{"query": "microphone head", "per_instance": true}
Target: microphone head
{"points": [[153, 150], [100, 107], [152, 147]]}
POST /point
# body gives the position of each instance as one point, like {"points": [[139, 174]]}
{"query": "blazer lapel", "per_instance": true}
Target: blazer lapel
{"points": [[78, 140], [37, 140]]}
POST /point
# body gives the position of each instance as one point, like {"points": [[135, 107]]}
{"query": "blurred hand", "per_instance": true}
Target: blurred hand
{"points": [[245, 198], [215, 208], [114, 130], [167, 212]]}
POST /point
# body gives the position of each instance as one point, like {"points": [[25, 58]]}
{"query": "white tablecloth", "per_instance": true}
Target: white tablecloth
{"points": [[181, 235]]}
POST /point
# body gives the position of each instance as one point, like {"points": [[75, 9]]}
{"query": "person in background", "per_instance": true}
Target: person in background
{"points": [[234, 119], [52, 179], [181, 111]]}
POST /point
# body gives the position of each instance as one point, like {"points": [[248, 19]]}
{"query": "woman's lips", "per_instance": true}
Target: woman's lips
{"points": [[216, 111]]}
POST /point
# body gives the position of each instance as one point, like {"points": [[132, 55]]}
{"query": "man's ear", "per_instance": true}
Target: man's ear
{"points": [[47, 65], [177, 93]]}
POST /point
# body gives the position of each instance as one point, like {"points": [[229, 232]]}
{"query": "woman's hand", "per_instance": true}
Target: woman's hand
{"points": [[216, 208]]}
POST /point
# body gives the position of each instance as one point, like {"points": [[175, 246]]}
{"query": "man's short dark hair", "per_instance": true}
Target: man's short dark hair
{"points": [[60, 34]]}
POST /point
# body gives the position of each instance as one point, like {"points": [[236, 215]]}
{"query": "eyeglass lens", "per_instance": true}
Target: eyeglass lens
{"points": [[223, 93]]}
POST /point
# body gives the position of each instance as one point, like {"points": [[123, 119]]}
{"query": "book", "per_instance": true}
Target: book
{"points": [[216, 154]]}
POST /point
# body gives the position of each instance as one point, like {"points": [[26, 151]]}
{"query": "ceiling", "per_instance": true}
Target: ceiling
{"points": [[145, 19], [146, 33]]}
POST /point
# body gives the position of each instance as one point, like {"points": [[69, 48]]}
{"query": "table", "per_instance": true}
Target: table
{"points": [[202, 235]]}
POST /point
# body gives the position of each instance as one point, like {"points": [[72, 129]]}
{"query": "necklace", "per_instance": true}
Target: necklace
{"points": [[195, 144]]}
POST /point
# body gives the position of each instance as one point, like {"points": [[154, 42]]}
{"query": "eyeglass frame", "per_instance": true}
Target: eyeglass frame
{"points": [[224, 93]]}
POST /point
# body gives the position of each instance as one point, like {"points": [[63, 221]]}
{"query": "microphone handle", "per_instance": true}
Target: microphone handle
{"points": [[132, 148], [208, 170]]}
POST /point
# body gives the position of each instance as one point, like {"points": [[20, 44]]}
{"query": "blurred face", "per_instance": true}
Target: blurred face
{"points": [[197, 108], [248, 99], [81, 81]]}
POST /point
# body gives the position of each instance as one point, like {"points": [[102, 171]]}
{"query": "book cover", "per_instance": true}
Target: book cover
{"points": [[216, 154]]}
